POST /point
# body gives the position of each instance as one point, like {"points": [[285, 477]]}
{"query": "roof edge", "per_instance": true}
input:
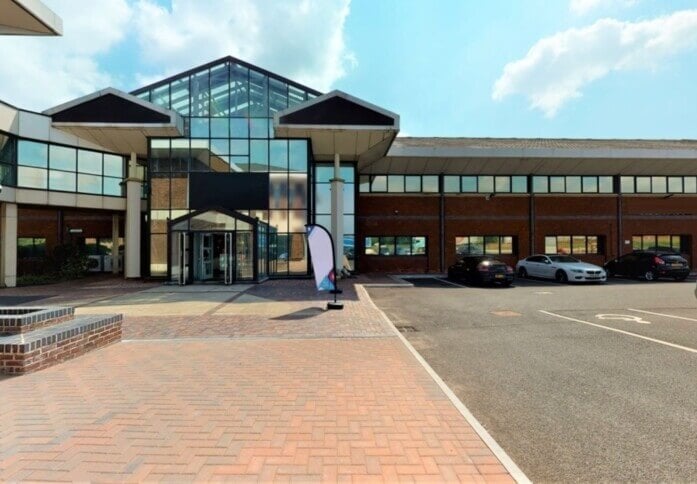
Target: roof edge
{"points": [[332, 94], [215, 62]]}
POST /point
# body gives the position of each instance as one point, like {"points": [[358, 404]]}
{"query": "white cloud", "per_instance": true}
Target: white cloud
{"points": [[583, 7], [556, 68], [302, 40], [39, 72]]}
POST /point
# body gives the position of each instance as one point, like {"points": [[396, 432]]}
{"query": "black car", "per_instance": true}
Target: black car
{"points": [[481, 269], [649, 265]]}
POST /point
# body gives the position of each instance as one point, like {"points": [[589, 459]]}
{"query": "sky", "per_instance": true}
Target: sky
{"points": [[471, 68]]}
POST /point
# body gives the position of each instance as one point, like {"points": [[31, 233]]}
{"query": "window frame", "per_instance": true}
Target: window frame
{"points": [[599, 244], [384, 240]]}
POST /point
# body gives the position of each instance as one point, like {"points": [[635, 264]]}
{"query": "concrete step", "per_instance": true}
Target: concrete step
{"points": [[49, 345]]}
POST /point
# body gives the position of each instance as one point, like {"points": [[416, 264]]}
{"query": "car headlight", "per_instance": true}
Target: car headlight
{"points": [[577, 271]]}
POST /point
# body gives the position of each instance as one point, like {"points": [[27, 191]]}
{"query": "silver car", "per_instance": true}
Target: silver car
{"points": [[562, 268]]}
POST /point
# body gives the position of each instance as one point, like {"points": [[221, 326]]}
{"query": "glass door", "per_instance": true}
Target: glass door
{"points": [[244, 255], [203, 257], [179, 258]]}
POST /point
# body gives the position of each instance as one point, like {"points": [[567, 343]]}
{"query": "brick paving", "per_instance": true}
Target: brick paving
{"points": [[266, 386]]}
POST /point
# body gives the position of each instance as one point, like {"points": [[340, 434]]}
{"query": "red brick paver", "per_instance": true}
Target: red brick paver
{"points": [[313, 409], [303, 395]]}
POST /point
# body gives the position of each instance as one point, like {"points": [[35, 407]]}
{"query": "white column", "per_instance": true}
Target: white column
{"points": [[8, 244], [337, 187], [115, 218], [134, 189]]}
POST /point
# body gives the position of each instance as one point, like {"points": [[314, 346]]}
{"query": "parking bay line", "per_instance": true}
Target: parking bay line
{"points": [[653, 340], [661, 314]]}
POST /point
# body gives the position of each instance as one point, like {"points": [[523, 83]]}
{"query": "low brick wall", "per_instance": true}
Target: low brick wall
{"points": [[16, 320], [20, 354]]}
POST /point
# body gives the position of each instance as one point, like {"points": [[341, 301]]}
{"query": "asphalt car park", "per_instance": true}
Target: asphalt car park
{"points": [[576, 382]]}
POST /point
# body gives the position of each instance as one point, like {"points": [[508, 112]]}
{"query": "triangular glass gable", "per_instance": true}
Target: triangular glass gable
{"points": [[227, 87], [211, 221]]}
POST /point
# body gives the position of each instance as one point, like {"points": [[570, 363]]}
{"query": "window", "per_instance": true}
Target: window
{"points": [[469, 184], [643, 184], [519, 184], [31, 153], [429, 184], [89, 162], [485, 245], [62, 158], [451, 184], [540, 184], [324, 173], [556, 184], [573, 244], [486, 184], [68, 169], [678, 243], [572, 184], [402, 183], [658, 184], [395, 183], [32, 177], [31, 247], [412, 184], [403, 245]]}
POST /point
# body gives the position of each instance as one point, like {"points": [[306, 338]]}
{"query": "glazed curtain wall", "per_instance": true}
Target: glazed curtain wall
{"points": [[228, 110], [47, 166]]}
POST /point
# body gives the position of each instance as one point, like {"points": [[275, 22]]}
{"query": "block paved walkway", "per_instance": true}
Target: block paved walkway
{"points": [[259, 384]]}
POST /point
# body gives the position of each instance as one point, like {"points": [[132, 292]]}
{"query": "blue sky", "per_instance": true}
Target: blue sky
{"points": [[518, 68]]}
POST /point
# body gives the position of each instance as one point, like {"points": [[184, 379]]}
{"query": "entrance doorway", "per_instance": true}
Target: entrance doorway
{"points": [[216, 246]]}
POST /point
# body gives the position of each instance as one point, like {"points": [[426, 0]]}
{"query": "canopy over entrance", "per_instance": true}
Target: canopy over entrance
{"points": [[337, 123], [219, 246]]}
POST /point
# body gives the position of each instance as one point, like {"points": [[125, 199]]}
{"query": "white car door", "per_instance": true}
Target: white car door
{"points": [[534, 266], [548, 268]]}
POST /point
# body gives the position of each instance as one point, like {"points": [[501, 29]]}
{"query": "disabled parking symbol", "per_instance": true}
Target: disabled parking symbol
{"points": [[623, 317]]}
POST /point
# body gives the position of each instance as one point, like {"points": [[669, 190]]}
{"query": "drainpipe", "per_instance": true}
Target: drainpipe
{"points": [[620, 238], [532, 224], [441, 222]]}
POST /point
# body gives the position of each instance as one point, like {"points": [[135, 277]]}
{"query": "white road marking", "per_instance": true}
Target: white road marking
{"points": [[653, 340], [623, 317], [661, 314], [543, 292]]}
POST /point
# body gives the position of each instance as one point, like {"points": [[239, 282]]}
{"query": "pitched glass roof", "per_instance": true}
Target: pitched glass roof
{"points": [[226, 87]]}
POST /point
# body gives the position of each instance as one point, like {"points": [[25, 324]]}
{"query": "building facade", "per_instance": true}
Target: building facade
{"points": [[211, 176]]}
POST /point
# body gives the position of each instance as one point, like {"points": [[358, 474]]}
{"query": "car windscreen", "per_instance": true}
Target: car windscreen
{"points": [[563, 259]]}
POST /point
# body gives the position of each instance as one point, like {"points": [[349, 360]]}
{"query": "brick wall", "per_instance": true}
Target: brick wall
{"points": [[15, 361], [419, 214]]}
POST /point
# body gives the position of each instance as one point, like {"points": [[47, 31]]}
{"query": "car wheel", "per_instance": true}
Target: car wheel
{"points": [[506, 284], [650, 276], [610, 273], [522, 273], [561, 277]]}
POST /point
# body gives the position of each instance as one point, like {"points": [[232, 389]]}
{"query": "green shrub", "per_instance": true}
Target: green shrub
{"points": [[68, 261]]}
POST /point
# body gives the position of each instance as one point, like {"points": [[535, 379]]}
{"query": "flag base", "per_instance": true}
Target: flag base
{"points": [[335, 305]]}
